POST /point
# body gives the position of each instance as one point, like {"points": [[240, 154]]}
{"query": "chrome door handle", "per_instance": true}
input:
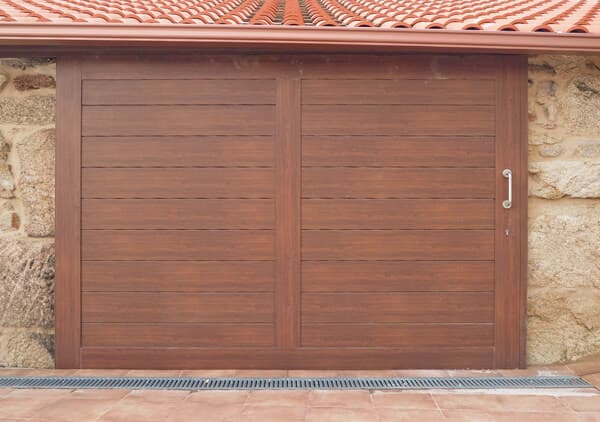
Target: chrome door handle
{"points": [[508, 174]]}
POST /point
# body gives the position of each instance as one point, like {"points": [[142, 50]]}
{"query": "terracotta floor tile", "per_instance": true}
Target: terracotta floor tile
{"points": [[473, 373], [340, 398], [25, 403], [421, 373], [483, 416], [582, 404], [219, 398], [99, 394], [75, 409], [100, 372], [275, 373], [485, 402], [588, 417], [368, 374], [336, 414], [5, 391], [589, 365], [312, 373], [409, 415], [197, 411], [25, 372], [273, 414], [292, 398], [152, 373], [537, 371], [145, 406], [208, 373], [402, 400], [593, 379]]}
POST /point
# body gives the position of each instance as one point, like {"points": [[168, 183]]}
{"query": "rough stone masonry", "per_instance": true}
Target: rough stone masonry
{"points": [[564, 210]]}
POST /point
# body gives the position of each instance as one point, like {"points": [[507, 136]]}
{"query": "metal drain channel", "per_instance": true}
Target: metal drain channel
{"points": [[176, 383]]}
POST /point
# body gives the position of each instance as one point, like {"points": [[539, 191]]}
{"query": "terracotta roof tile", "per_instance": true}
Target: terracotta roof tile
{"points": [[482, 15]]}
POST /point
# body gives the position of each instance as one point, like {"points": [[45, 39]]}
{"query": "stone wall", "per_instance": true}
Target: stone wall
{"points": [[27, 96], [564, 208]]}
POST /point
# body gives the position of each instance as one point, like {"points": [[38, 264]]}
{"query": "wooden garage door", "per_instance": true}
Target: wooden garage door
{"points": [[290, 212]]}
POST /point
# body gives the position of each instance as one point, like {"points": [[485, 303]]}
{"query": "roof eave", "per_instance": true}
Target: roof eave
{"points": [[199, 36]]}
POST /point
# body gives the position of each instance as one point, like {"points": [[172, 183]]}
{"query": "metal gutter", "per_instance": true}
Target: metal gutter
{"points": [[294, 37]]}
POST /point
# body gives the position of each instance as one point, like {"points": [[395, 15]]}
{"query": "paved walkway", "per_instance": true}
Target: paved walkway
{"points": [[320, 406]]}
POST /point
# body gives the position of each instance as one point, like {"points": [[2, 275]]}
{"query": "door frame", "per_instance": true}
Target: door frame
{"points": [[511, 152]]}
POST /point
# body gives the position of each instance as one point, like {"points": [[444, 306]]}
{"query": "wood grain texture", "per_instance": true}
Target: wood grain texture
{"points": [[177, 183], [431, 307], [177, 276], [399, 151], [191, 245], [175, 308], [397, 214], [177, 335], [326, 359], [397, 335], [179, 151], [164, 120], [287, 205], [68, 197], [178, 91], [510, 229], [404, 276], [344, 182], [177, 214], [398, 91], [433, 120], [347, 245]]}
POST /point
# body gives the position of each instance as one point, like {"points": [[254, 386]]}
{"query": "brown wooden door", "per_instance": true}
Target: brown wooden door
{"points": [[290, 212]]}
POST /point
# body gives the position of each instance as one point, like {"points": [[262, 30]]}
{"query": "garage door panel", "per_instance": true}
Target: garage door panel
{"points": [[178, 91], [345, 182], [397, 335], [397, 214], [400, 276], [185, 151], [177, 335], [399, 91], [433, 307], [193, 245], [177, 214], [395, 151], [177, 183], [177, 307], [177, 276], [433, 120], [348, 245], [164, 120]]}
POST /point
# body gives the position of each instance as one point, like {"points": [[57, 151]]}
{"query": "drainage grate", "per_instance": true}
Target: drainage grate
{"points": [[137, 383]]}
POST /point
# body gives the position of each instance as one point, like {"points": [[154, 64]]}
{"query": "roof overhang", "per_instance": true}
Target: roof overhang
{"points": [[290, 38]]}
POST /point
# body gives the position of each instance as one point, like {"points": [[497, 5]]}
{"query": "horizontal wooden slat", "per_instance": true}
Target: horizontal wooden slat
{"points": [[397, 183], [177, 307], [177, 183], [328, 359], [397, 214], [123, 245], [397, 151], [398, 245], [177, 214], [434, 120], [398, 91], [323, 276], [397, 307], [177, 335], [190, 151], [177, 120], [395, 335], [177, 276], [182, 91]]}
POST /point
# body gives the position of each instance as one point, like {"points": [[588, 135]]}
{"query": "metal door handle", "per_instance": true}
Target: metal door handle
{"points": [[508, 174]]}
